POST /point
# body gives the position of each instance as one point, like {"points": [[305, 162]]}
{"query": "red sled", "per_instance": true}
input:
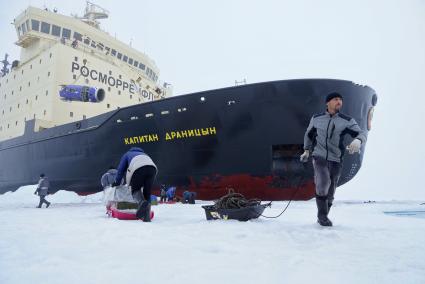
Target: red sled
{"points": [[121, 215]]}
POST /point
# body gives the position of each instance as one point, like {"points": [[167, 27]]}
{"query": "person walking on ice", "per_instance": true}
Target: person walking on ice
{"points": [[43, 190], [323, 140]]}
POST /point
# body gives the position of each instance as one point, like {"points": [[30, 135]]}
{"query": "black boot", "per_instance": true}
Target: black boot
{"points": [[147, 217], [141, 210], [322, 211]]}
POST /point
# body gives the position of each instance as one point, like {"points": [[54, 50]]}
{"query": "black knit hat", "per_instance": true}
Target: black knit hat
{"points": [[42, 175], [333, 95]]}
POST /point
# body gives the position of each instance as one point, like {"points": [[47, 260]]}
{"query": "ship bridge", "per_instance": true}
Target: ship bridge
{"points": [[38, 29]]}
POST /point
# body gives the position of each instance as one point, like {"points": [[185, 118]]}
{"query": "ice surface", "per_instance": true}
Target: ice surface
{"points": [[73, 241]]}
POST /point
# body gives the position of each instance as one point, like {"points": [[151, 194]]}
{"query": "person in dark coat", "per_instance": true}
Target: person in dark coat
{"points": [[163, 194], [43, 190], [108, 178], [189, 197], [140, 173]]}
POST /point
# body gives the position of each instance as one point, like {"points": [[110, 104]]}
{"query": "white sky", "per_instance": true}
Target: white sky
{"points": [[201, 45]]}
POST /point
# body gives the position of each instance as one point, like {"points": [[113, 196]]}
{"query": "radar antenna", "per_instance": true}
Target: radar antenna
{"points": [[94, 12]]}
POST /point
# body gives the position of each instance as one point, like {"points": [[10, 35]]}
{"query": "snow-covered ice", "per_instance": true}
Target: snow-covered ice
{"points": [[73, 241]]}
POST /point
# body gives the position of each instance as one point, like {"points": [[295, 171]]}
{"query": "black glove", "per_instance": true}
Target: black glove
{"points": [[115, 184]]}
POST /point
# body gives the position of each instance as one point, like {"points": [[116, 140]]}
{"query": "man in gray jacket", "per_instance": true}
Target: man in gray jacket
{"points": [[324, 141], [43, 190]]}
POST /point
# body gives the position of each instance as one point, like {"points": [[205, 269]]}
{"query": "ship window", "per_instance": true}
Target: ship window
{"points": [[165, 112], [136, 63], [149, 115], [107, 49], [27, 23], [78, 36], [125, 58], [108, 106], [100, 46], [130, 61], [93, 43], [114, 52], [35, 25], [74, 76], [45, 28], [56, 30], [44, 112], [66, 33], [71, 114], [84, 116], [109, 89], [47, 92], [119, 56], [142, 66], [19, 31], [87, 40], [24, 29], [16, 123], [134, 118], [131, 96]]}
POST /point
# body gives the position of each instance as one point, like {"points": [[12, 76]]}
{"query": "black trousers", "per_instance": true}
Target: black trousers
{"points": [[142, 181], [42, 200]]}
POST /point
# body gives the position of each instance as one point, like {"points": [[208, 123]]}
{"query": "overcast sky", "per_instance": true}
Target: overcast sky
{"points": [[200, 45]]}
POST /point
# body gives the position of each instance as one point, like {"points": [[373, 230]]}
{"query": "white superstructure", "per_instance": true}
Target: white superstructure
{"points": [[58, 51]]}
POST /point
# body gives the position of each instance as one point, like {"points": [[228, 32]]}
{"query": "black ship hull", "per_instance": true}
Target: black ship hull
{"points": [[248, 138]]}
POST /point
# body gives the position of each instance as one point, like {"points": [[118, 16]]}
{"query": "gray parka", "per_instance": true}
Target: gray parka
{"points": [[325, 134], [43, 186]]}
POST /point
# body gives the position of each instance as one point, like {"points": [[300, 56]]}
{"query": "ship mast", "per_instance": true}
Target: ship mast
{"points": [[92, 13]]}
